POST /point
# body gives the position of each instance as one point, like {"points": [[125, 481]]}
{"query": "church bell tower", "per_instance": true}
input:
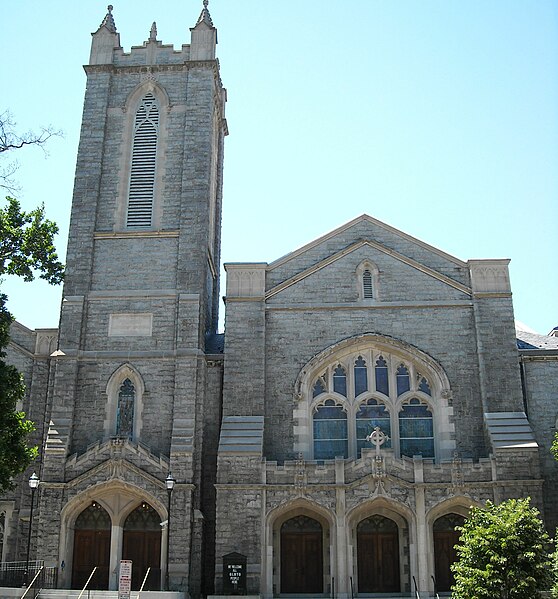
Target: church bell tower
{"points": [[132, 373]]}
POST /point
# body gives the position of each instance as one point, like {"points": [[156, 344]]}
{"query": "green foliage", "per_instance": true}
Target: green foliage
{"points": [[554, 447], [555, 574], [15, 455], [503, 553], [27, 244]]}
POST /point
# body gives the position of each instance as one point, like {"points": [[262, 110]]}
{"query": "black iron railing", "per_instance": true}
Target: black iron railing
{"points": [[13, 574]]}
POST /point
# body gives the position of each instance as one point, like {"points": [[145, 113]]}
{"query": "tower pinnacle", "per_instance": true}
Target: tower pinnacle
{"points": [[108, 21], [205, 17]]}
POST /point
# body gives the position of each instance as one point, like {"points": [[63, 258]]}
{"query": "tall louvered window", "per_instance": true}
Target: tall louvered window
{"points": [[144, 159], [367, 288]]}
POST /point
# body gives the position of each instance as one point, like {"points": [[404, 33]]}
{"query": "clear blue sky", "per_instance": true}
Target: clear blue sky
{"points": [[439, 117]]}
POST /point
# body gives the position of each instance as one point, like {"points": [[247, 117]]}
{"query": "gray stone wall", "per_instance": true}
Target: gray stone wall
{"points": [[541, 388]]}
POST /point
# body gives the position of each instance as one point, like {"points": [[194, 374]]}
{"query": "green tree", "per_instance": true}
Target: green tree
{"points": [[15, 455], [503, 553], [554, 450], [26, 249]]}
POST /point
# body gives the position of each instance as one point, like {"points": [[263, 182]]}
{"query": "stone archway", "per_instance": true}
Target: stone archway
{"points": [[301, 556], [92, 548]]}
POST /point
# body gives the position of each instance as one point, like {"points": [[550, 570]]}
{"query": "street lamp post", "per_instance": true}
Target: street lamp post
{"points": [[33, 484], [169, 483]]}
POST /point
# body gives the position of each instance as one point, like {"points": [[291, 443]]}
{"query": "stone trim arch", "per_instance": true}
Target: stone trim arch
{"points": [[375, 274], [129, 110], [299, 506], [394, 350], [119, 499], [405, 519], [126, 371]]}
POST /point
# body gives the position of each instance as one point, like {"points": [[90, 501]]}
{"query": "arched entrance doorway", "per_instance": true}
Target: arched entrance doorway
{"points": [[445, 539], [92, 548], [142, 544], [378, 555], [301, 556]]}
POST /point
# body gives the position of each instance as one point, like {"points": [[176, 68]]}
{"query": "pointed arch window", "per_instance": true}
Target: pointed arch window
{"points": [[382, 381], [143, 164], [423, 385], [340, 381], [403, 380], [361, 376], [319, 387], [125, 412], [330, 431]]}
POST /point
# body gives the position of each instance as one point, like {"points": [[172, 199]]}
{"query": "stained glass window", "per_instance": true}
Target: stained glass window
{"points": [[330, 431], [382, 383], [424, 386], [403, 380], [319, 387], [370, 415], [416, 429], [361, 377], [340, 380], [125, 413]]}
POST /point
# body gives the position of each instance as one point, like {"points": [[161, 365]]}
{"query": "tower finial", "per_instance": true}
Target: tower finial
{"points": [[108, 21], [205, 17], [153, 32]]}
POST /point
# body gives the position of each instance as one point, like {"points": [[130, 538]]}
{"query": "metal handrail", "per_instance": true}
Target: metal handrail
{"points": [[435, 589], [85, 586], [333, 587], [352, 589], [30, 586], [144, 581], [417, 594]]}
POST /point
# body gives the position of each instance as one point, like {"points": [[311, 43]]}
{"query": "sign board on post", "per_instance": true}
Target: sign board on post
{"points": [[125, 579]]}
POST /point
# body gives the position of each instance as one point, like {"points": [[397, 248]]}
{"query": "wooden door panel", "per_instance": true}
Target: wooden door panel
{"points": [[301, 562], [144, 549], [378, 562], [444, 556], [91, 548]]}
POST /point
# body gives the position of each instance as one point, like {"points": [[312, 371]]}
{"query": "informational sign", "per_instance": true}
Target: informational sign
{"points": [[125, 579], [234, 574]]}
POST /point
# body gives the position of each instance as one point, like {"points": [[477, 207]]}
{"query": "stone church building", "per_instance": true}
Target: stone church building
{"points": [[368, 389]]}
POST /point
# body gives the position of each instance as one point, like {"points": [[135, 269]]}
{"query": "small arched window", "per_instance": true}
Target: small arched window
{"points": [[125, 410], [370, 415], [319, 387], [403, 380], [416, 429], [330, 431], [143, 164], [367, 286], [382, 382], [340, 381], [361, 376], [424, 385]]}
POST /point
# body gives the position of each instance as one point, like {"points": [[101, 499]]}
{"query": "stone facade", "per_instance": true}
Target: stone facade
{"points": [[136, 383]]}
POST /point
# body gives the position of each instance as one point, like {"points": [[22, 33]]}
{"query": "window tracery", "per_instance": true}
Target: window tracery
{"points": [[401, 394]]}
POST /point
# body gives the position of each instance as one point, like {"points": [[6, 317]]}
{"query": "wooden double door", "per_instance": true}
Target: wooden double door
{"points": [[141, 543], [301, 556], [378, 556]]}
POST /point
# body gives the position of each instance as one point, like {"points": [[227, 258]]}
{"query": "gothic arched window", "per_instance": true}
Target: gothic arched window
{"points": [[340, 380], [143, 164], [361, 376], [382, 381], [403, 380], [125, 410]]}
